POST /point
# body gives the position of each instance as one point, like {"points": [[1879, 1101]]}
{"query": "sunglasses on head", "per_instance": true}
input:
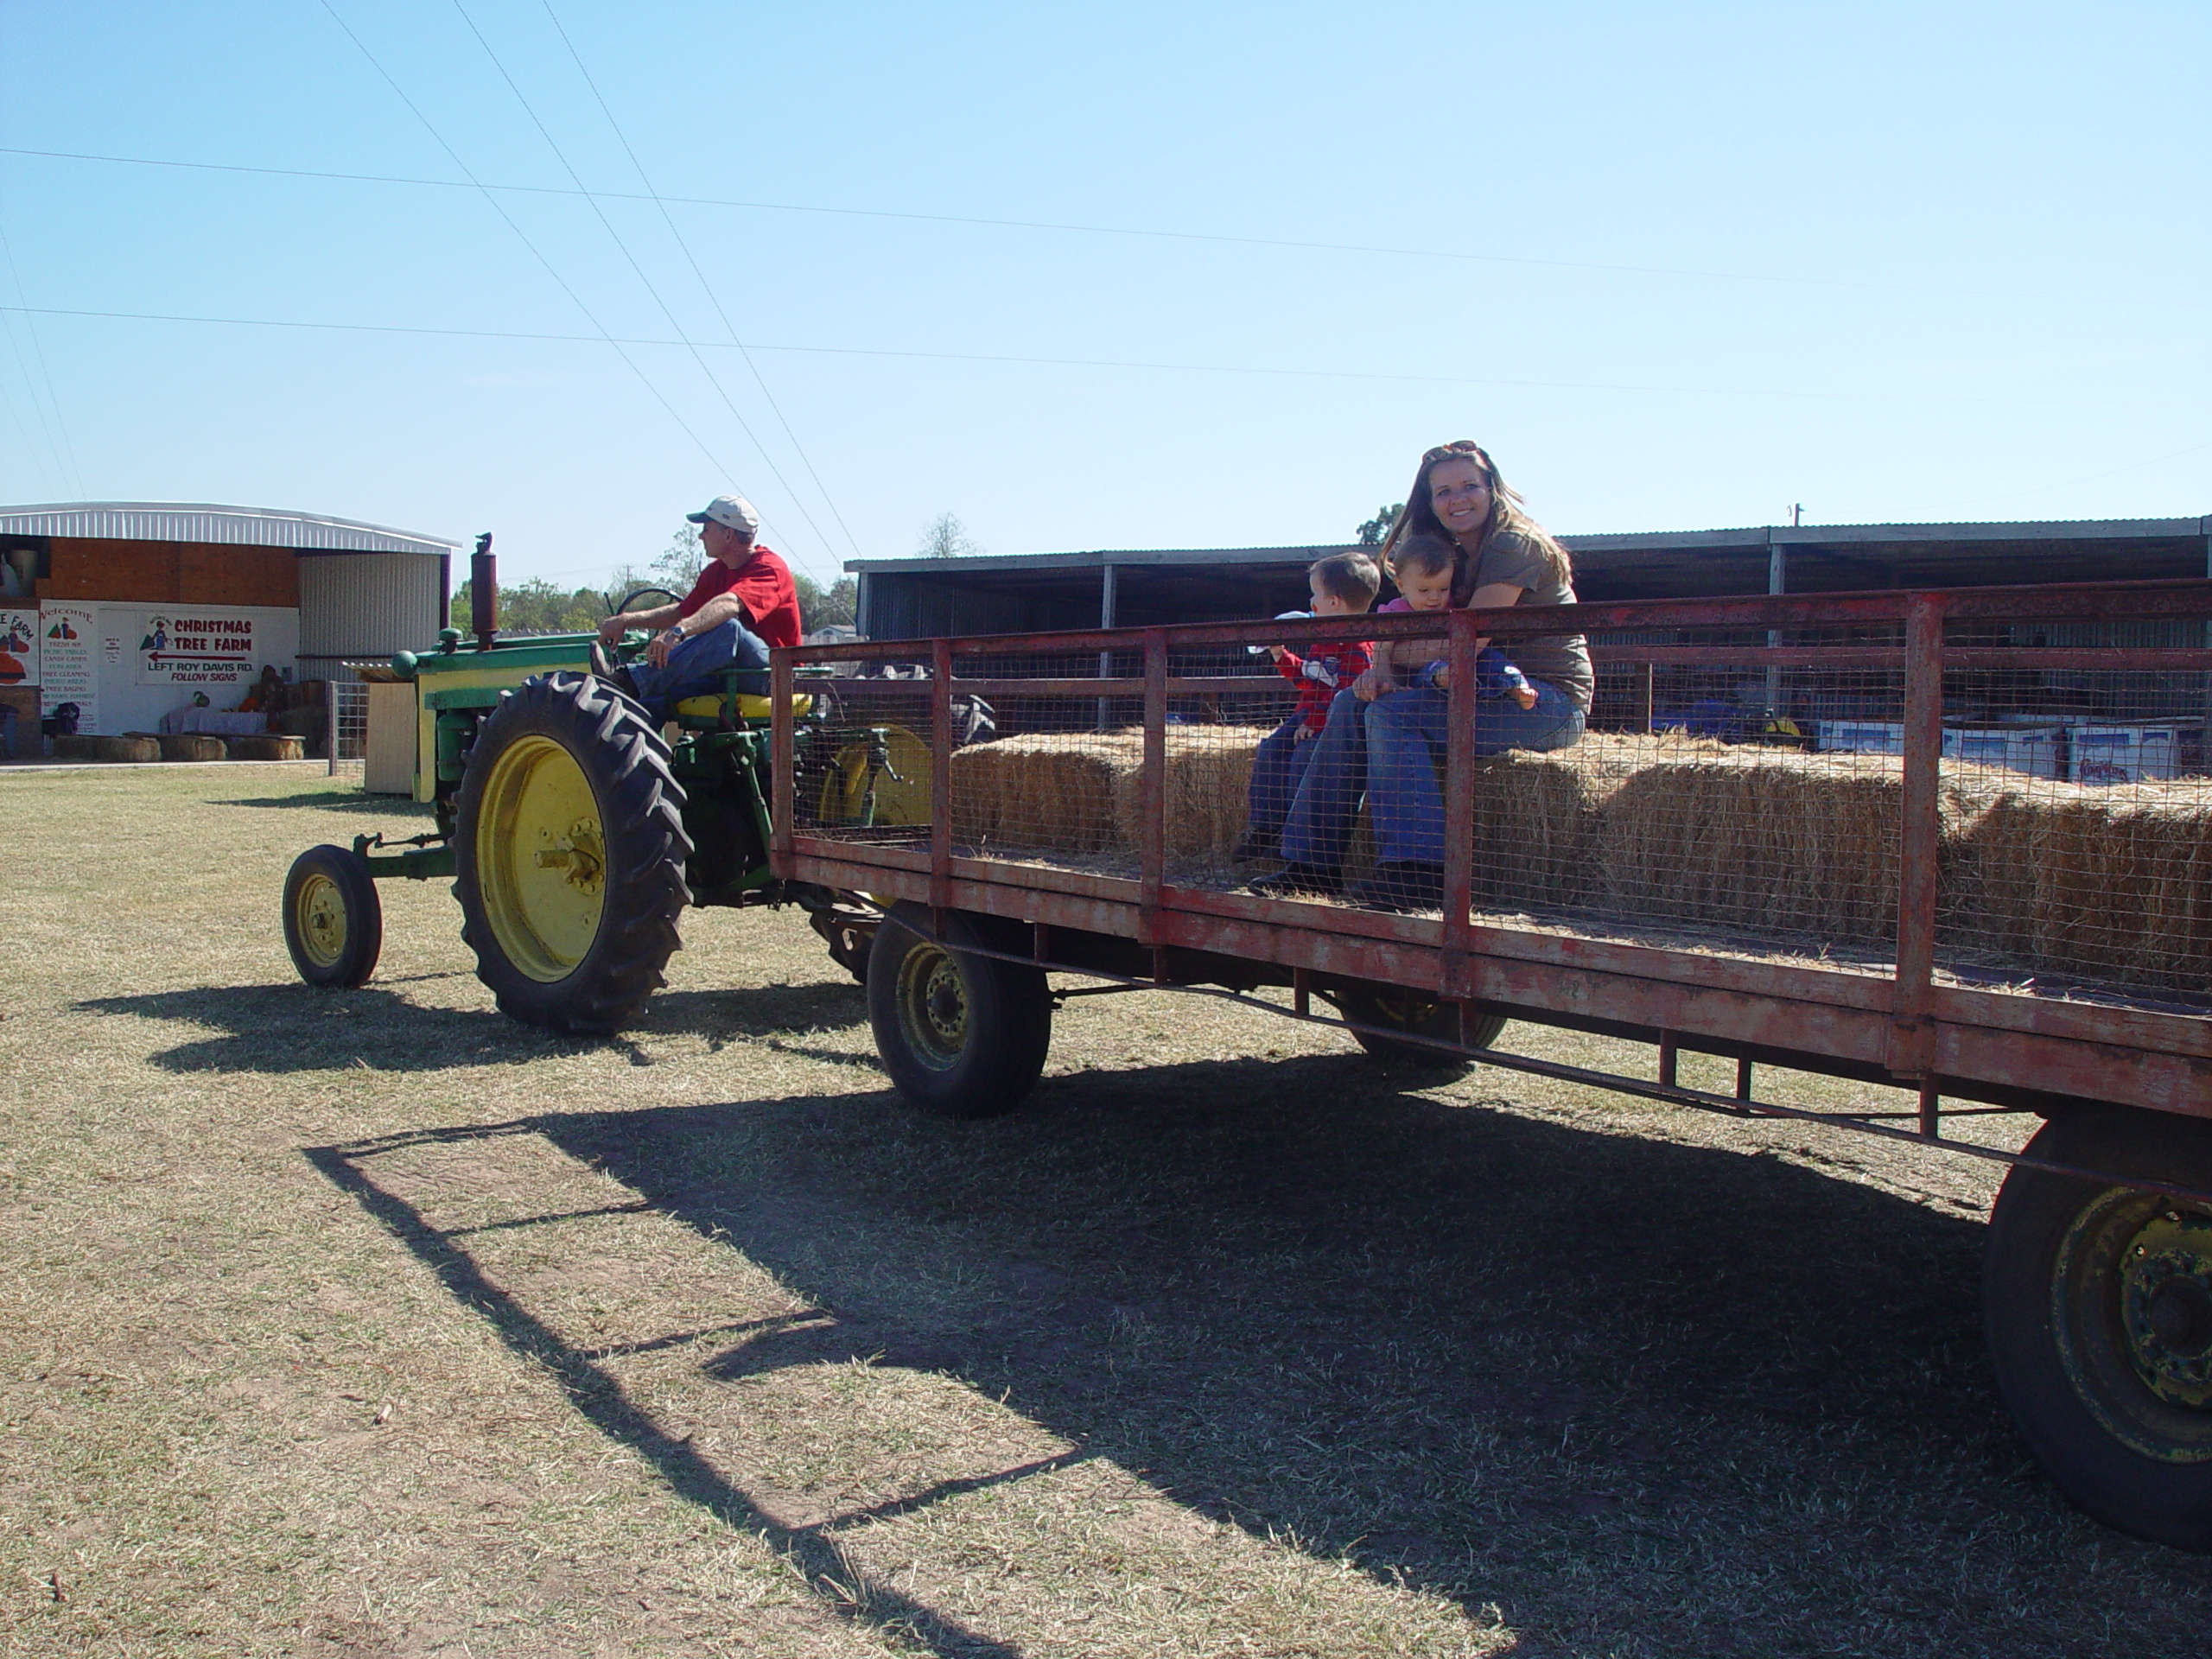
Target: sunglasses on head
{"points": [[1464, 449]]}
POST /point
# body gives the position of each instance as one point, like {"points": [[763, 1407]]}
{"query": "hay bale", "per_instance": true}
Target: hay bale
{"points": [[191, 745], [131, 748], [1041, 791], [267, 746], [2090, 883], [75, 745], [1209, 776], [1769, 840]]}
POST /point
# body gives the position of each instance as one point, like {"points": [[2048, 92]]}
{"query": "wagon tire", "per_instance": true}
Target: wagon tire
{"points": [[569, 850], [961, 1035], [1418, 1016], [333, 921], [2098, 1303]]}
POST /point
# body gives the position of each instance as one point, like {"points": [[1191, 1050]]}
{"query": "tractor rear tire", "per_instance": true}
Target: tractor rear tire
{"points": [[333, 921], [1418, 1015], [2098, 1303], [961, 1035], [569, 850]]}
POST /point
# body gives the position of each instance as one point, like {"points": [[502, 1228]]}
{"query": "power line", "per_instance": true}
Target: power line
{"points": [[706, 287], [492, 201], [1076, 362], [2068, 483], [57, 434], [639, 271], [1781, 278]]}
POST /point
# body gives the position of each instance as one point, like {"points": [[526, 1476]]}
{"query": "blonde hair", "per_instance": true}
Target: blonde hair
{"points": [[1508, 517]]}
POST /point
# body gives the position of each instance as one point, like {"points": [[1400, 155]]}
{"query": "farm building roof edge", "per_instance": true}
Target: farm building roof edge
{"points": [[199, 521], [2014, 530]]}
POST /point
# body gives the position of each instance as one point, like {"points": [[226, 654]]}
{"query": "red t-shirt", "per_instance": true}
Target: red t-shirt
{"points": [[763, 585]]}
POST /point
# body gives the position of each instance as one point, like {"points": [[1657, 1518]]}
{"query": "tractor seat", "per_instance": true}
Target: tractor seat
{"points": [[749, 707]]}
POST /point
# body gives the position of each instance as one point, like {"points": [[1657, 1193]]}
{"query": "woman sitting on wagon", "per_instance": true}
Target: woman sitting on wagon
{"points": [[1386, 734]]}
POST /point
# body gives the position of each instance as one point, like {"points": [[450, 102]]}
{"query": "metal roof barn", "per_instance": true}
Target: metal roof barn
{"points": [[914, 598]]}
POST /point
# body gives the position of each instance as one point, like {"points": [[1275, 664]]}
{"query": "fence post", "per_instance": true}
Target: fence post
{"points": [[940, 775], [1912, 1039], [1459, 653], [1152, 785], [782, 786]]}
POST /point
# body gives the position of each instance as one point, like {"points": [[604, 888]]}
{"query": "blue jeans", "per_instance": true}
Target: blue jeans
{"points": [[1277, 770], [1390, 749], [694, 668]]}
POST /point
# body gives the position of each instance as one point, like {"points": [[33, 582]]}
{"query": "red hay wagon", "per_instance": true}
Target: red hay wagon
{"points": [[1954, 841]]}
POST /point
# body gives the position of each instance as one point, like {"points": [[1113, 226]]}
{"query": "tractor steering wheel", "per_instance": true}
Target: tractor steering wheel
{"points": [[636, 595]]}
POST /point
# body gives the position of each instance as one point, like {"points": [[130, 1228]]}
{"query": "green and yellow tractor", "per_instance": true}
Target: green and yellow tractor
{"points": [[575, 829]]}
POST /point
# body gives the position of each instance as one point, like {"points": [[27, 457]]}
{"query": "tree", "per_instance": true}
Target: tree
{"points": [[945, 537], [821, 607], [1374, 530]]}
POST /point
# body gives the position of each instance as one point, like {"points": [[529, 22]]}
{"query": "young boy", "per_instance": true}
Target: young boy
{"points": [[1343, 585], [1423, 569]]}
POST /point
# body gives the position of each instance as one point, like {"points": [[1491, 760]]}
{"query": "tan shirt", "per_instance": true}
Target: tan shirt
{"points": [[1562, 659]]}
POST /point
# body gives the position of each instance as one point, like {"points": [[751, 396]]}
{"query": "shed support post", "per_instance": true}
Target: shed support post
{"points": [[1108, 592], [1778, 581]]}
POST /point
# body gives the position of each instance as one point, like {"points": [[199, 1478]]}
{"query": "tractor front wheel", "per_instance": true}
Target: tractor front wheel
{"points": [[961, 1035], [569, 853], [333, 921]]}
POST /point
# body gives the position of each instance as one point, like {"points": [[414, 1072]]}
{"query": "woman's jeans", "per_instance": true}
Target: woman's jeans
{"points": [[694, 668], [1391, 749]]}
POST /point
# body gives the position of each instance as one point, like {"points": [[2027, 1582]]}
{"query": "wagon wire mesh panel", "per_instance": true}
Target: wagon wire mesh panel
{"points": [[1738, 788]]}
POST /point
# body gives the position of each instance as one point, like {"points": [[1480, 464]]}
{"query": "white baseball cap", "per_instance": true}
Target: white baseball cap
{"points": [[732, 510]]}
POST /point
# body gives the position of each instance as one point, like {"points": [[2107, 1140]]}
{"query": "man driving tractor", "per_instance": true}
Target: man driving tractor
{"points": [[743, 602]]}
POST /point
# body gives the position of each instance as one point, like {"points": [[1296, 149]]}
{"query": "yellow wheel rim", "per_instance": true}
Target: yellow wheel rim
{"points": [[319, 920], [541, 859], [933, 1000]]}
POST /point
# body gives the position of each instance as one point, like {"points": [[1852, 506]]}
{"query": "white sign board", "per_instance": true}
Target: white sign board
{"points": [[67, 669], [18, 647], [194, 648]]}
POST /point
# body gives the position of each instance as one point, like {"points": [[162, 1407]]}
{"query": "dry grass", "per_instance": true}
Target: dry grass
{"points": [[373, 1324]]}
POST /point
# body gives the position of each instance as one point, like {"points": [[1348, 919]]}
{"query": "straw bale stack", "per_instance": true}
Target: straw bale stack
{"points": [[1769, 839], [1047, 792], [2091, 881], [1209, 775], [192, 745], [135, 747]]}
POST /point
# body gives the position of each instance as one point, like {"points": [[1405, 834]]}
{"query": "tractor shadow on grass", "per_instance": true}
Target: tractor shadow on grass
{"points": [[288, 1026], [342, 800], [1639, 1396]]}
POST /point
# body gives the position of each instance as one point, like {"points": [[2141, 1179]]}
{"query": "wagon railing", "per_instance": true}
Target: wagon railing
{"points": [[1923, 958]]}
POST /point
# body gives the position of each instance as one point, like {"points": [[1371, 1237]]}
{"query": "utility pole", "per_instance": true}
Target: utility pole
{"points": [[1797, 514]]}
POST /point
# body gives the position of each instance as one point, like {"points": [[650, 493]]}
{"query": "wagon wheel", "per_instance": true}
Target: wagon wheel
{"points": [[333, 921], [569, 851], [961, 1035], [1417, 1014], [2098, 1300]]}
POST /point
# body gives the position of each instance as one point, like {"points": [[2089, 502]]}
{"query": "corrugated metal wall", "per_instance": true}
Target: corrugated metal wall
{"points": [[368, 604]]}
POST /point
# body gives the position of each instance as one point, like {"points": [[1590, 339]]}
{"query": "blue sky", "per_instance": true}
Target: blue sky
{"points": [[1677, 266]]}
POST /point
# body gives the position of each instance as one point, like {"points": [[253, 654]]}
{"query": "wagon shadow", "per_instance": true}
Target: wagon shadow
{"points": [[1501, 1358], [288, 1026]]}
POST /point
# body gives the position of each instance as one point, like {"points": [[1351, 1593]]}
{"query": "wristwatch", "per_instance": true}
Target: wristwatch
{"points": [[676, 634]]}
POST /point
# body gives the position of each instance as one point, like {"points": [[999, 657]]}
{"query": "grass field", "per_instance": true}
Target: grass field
{"points": [[371, 1323]]}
